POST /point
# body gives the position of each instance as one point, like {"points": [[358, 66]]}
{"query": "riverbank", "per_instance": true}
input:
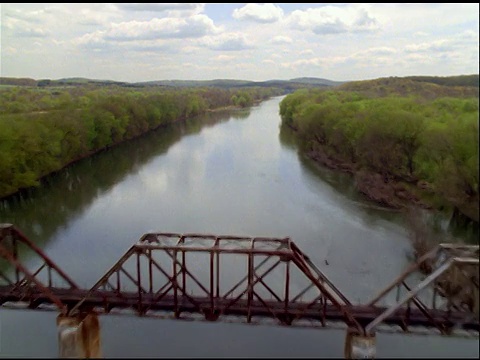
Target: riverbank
{"points": [[394, 194], [40, 142], [402, 151]]}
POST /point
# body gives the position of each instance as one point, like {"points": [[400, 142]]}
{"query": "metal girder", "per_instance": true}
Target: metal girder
{"points": [[256, 253], [22, 280], [448, 262], [256, 279]]}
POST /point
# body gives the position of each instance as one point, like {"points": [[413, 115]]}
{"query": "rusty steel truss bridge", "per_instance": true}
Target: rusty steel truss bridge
{"points": [[245, 279]]}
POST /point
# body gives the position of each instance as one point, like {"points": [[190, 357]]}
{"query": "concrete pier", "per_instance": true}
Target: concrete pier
{"points": [[79, 336], [359, 346]]}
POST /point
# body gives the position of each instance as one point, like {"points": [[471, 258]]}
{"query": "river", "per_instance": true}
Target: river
{"points": [[222, 173]]}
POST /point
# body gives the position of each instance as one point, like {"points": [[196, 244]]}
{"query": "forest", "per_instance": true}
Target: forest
{"points": [[45, 128], [405, 140]]}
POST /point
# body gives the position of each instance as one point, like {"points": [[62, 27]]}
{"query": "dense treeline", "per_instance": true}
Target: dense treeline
{"points": [[461, 80], [427, 87], [43, 130], [94, 176], [416, 143]]}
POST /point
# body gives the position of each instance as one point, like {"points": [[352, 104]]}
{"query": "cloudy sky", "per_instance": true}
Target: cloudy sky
{"points": [[246, 41]]}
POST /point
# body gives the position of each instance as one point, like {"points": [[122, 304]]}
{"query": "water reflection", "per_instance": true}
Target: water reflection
{"points": [[343, 183], [41, 212]]}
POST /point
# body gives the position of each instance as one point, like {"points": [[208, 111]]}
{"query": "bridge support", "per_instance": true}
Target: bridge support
{"points": [[78, 336], [476, 302], [359, 346]]}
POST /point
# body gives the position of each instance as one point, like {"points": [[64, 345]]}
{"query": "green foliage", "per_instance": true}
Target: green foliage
{"points": [[242, 99], [462, 80], [414, 137], [42, 129]]}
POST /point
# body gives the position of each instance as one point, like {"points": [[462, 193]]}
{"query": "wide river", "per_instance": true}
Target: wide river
{"points": [[223, 173]]}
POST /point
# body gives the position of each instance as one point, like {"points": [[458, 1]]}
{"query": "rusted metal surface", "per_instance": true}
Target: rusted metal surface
{"points": [[447, 263], [250, 278], [22, 281], [261, 257]]}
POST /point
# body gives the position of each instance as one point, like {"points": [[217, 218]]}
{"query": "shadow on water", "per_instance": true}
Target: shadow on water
{"points": [[344, 184], [287, 138], [62, 197]]}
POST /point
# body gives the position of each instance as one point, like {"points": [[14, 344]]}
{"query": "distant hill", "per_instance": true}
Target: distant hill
{"points": [[221, 83], [17, 81], [60, 82], [461, 80], [316, 81], [428, 87], [229, 83], [85, 80], [195, 83]]}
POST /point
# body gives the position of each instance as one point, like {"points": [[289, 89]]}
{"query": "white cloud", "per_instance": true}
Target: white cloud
{"points": [[306, 52], [27, 24], [420, 34], [92, 17], [191, 27], [31, 32], [147, 11], [303, 62], [376, 51], [191, 8], [29, 16], [469, 35], [364, 21], [282, 40], [225, 57], [248, 41], [433, 46], [333, 20], [10, 50], [263, 13], [228, 42], [92, 40]]}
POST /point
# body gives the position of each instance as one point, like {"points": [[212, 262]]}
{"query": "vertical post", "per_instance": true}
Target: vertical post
{"points": [[476, 302], [15, 256], [212, 282], [359, 346], [175, 284], [150, 271], [249, 286], [184, 274], [217, 290], [78, 336], [287, 286], [139, 281]]}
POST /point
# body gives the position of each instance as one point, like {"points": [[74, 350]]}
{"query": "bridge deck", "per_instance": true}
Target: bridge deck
{"points": [[216, 308]]}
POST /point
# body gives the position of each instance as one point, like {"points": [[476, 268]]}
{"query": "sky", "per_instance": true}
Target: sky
{"points": [[136, 42]]}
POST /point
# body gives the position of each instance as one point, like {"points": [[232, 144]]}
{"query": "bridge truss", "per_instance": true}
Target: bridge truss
{"points": [[249, 279]]}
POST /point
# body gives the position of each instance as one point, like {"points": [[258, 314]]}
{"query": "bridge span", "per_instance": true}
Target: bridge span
{"points": [[247, 279]]}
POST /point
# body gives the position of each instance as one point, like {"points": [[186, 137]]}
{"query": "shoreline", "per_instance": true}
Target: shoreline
{"points": [[391, 194]]}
